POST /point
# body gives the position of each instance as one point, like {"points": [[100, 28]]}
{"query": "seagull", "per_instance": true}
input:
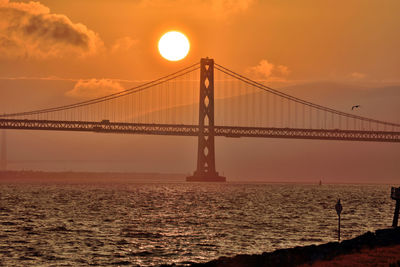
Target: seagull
{"points": [[356, 106]]}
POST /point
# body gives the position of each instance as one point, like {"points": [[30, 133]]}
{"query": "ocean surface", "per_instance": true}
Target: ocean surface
{"points": [[149, 224]]}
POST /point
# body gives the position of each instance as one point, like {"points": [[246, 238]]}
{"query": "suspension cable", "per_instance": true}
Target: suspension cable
{"points": [[132, 90], [295, 99]]}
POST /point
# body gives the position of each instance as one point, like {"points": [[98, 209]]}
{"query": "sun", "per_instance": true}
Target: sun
{"points": [[173, 46]]}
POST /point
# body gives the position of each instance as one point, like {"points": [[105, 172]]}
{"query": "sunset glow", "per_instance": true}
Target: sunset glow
{"points": [[199, 133]]}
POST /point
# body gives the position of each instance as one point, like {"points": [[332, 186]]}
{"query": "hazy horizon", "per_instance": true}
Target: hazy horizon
{"points": [[333, 54]]}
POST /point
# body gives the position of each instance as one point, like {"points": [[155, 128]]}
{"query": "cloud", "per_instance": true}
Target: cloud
{"points": [[220, 9], [266, 69], [226, 8], [263, 68], [30, 30], [123, 44], [66, 79], [86, 89], [358, 75], [284, 70]]}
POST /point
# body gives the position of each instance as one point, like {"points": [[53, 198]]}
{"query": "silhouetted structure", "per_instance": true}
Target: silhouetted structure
{"points": [[3, 157], [236, 107], [339, 209], [395, 194], [206, 171]]}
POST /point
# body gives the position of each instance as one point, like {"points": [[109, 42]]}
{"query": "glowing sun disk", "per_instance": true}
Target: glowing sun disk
{"points": [[173, 46]]}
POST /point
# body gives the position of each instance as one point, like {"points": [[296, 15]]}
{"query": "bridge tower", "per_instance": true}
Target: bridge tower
{"points": [[206, 171], [3, 156]]}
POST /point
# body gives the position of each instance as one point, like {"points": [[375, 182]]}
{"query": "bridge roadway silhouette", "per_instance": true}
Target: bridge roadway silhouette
{"points": [[364, 129], [193, 130]]}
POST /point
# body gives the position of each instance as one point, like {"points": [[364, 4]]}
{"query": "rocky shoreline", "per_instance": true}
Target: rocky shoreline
{"points": [[309, 254]]}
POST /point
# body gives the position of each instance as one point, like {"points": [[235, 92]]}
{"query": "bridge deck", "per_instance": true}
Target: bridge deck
{"points": [[193, 130]]}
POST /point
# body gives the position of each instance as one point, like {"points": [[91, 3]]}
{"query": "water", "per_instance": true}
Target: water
{"points": [[152, 224]]}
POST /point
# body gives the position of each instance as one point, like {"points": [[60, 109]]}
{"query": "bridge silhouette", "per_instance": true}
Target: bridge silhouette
{"points": [[226, 104]]}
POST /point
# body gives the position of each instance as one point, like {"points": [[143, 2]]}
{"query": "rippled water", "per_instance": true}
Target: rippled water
{"points": [[152, 224]]}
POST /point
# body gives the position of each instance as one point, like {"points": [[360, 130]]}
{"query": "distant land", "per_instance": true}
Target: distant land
{"points": [[87, 177], [76, 177]]}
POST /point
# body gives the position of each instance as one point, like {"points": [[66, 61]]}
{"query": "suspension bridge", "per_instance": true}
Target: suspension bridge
{"points": [[226, 104]]}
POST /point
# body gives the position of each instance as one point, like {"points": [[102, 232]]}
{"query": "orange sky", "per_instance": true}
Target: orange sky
{"points": [[315, 40], [51, 49]]}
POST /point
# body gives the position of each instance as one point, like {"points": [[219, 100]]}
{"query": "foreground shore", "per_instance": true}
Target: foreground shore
{"points": [[381, 248]]}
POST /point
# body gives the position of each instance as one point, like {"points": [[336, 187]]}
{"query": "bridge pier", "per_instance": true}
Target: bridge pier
{"points": [[3, 154], [206, 171]]}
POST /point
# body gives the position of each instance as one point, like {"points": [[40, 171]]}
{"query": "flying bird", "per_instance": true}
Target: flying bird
{"points": [[356, 106]]}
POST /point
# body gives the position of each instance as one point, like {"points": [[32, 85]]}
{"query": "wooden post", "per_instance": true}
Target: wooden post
{"points": [[338, 208]]}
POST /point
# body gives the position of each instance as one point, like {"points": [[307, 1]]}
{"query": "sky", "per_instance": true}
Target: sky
{"points": [[331, 52]]}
